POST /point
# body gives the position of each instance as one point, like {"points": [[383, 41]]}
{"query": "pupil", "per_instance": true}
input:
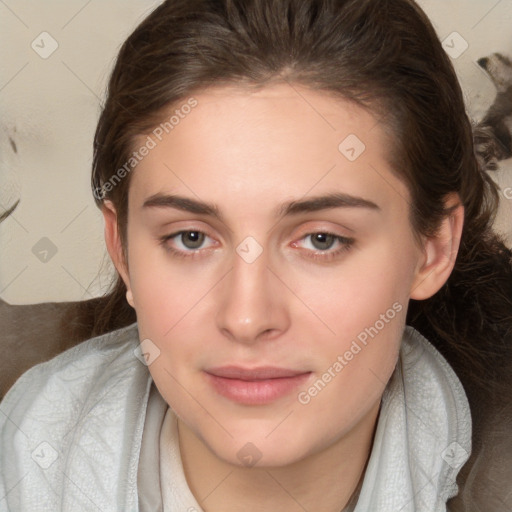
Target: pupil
{"points": [[192, 239], [324, 240]]}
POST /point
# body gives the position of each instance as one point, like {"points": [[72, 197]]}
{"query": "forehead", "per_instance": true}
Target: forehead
{"points": [[282, 139]]}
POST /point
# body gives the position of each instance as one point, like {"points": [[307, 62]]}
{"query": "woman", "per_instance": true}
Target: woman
{"points": [[291, 196]]}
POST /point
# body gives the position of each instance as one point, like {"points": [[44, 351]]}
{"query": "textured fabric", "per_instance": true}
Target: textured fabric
{"points": [[70, 430], [423, 435], [85, 431]]}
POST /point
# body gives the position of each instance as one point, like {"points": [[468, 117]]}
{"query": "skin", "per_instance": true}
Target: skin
{"points": [[248, 152]]}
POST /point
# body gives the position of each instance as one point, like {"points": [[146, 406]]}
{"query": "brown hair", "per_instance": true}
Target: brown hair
{"points": [[385, 56]]}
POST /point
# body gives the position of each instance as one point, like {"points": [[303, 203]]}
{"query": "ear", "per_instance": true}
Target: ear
{"points": [[439, 253], [114, 246]]}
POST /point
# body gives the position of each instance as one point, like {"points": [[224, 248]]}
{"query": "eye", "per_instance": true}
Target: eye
{"points": [[191, 239], [188, 244], [322, 242], [185, 243]]}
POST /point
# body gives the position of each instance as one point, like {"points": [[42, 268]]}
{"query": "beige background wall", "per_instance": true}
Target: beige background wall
{"points": [[52, 248]]}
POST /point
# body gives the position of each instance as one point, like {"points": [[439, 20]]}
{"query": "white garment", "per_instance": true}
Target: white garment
{"points": [[423, 436], [82, 432], [176, 494]]}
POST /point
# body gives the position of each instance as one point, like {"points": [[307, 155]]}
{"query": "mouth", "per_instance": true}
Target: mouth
{"points": [[255, 386]]}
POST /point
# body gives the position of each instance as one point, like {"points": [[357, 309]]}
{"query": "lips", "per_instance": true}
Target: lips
{"points": [[261, 373], [255, 386]]}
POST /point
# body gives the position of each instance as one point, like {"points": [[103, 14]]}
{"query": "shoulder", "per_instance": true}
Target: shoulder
{"points": [[75, 372], [58, 413]]}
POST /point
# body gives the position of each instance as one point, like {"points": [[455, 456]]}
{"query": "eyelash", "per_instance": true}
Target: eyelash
{"points": [[329, 255], [346, 244]]}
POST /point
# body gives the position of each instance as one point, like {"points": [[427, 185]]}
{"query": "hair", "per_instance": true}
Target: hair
{"points": [[385, 56]]}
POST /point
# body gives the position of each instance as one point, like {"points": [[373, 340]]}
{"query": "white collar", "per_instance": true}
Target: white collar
{"points": [[423, 435]]}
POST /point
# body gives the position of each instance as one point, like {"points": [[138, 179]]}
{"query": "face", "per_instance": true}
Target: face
{"points": [[271, 260]]}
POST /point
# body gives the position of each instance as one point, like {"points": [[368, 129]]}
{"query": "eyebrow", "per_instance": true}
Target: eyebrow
{"points": [[312, 204]]}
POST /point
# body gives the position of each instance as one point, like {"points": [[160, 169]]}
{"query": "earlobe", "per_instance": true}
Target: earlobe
{"points": [[439, 255], [129, 298], [114, 245]]}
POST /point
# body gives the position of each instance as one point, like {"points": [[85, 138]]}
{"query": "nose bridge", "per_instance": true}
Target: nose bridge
{"points": [[250, 304]]}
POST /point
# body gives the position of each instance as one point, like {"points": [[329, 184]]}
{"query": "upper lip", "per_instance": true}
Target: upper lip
{"points": [[259, 373]]}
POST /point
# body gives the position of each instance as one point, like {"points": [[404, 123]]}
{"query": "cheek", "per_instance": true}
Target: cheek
{"points": [[344, 300], [164, 292], [169, 308], [356, 364], [354, 295], [362, 307]]}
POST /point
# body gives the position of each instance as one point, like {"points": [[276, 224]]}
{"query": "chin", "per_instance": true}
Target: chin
{"points": [[256, 448]]}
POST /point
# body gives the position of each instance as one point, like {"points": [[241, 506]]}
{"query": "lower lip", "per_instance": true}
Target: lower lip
{"points": [[256, 392]]}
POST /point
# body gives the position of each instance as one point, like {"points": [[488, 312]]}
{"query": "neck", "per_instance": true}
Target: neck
{"points": [[324, 480]]}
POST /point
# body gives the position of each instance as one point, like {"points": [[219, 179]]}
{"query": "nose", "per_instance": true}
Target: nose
{"points": [[252, 302]]}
